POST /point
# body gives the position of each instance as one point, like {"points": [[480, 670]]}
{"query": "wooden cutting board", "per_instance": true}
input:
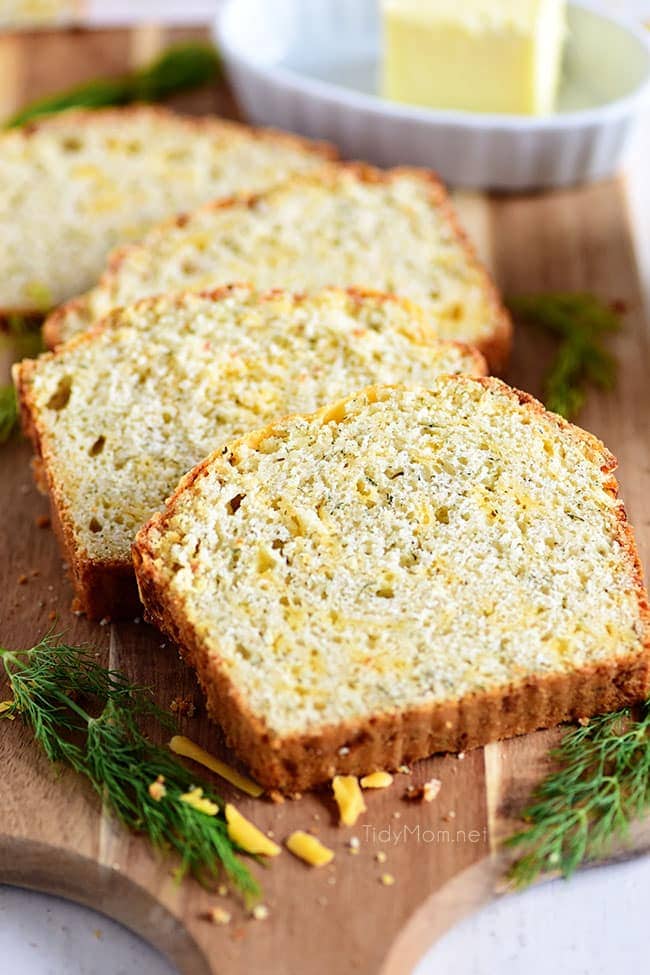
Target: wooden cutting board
{"points": [[444, 855]]}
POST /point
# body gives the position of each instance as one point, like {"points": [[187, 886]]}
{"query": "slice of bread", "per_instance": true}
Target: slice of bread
{"points": [[76, 184], [31, 14], [119, 414], [348, 226], [403, 572]]}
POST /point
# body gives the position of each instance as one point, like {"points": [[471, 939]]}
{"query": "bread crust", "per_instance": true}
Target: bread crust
{"points": [[108, 589], [193, 123], [495, 347], [387, 740]]}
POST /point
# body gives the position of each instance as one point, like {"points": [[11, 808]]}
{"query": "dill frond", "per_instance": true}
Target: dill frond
{"points": [[602, 784], [180, 68], [8, 412], [24, 336], [20, 340], [580, 321], [88, 716]]}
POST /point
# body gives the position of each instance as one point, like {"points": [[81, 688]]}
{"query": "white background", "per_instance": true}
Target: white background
{"points": [[595, 925]]}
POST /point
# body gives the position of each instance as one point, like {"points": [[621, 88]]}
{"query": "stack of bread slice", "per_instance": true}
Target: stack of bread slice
{"points": [[119, 414], [385, 553]]}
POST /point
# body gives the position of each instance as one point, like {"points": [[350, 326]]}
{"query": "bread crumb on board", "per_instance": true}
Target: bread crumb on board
{"points": [[183, 707], [218, 915], [426, 792]]}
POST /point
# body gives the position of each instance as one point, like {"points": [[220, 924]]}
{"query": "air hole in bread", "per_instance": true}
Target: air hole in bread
{"points": [[233, 505], [60, 397], [98, 446], [94, 525], [243, 651]]}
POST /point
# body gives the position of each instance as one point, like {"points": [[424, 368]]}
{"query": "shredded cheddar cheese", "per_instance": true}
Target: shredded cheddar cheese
{"points": [[377, 780], [219, 916], [348, 798], [306, 847], [188, 749], [195, 799], [249, 837]]}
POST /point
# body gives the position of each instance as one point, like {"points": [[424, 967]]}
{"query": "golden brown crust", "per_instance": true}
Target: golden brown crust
{"points": [[300, 761], [192, 122], [51, 330], [495, 347]]}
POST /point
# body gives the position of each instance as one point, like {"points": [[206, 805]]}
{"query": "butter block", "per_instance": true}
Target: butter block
{"points": [[499, 56]]}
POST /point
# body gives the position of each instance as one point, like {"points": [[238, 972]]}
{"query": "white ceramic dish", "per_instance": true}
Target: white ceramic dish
{"points": [[311, 66]]}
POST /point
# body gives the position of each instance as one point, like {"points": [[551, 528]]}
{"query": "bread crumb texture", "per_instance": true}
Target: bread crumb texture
{"points": [[75, 185], [403, 547], [122, 414], [348, 226]]}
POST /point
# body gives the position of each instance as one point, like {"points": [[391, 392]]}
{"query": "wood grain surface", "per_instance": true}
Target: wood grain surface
{"points": [[445, 855]]}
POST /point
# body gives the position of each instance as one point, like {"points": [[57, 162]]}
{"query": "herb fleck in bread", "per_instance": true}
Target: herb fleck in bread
{"points": [[406, 571], [77, 184], [119, 414], [347, 226]]}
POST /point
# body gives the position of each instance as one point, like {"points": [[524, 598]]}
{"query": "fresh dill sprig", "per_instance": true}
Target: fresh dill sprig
{"points": [[24, 336], [8, 412], [20, 340], [602, 783], [179, 68], [88, 716], [580, 321]]}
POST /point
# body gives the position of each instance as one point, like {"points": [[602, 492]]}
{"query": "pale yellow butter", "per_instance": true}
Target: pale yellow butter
{"points": [[474, 55]]}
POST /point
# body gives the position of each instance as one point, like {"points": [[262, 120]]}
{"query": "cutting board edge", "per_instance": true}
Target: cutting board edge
{"points": [[64, 873]]}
